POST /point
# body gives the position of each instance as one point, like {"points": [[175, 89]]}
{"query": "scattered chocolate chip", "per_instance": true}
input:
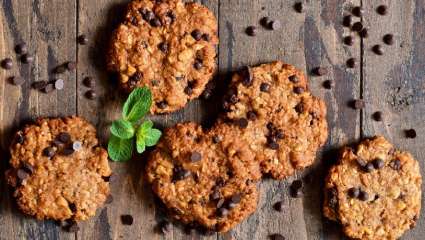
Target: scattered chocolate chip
{"points": [[26, 58], [298, 6], [39, 85], [109, 199], [7, 63], [251, 115], [264, 87], [21, 48], [349, 40], [59, 84], [91, 94], [76, 145], [155, 22], [382, 10], [275, 25], [299, 108], [293, 79], [49, 152], [378, 163], [369, 167], [298, 90], [161, 105], [357, 11], [198, 64], [388, 39], [251, 31], [127, 219], [222, 212], [196, 34], [347, 21], [48, 88], [377, 116], [82, 39], [351, 62], [297, 184], [377, 49], [357, 26], [364, 33], [395, 164], [276, 236], [60, 69], [327, 84], [265, 22], [320, 71], [242, 122], [73, 227], [71, 65], [278, 206], [179, 173], [410, 133], [163, 47], [89, 82], [165, 227], [64, 137], [363, 196], [17, 80], [358, 104], [195, 157], [353, 192]]}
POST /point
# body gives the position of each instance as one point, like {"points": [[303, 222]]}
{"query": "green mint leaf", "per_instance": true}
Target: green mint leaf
{"points": [[120, 150], [140, 146], [137, 105], [152, 137], [122, 129], [147, 136]]}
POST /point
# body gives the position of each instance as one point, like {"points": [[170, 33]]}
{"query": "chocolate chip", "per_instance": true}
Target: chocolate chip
{"points": [[382, 10], [72, 207], [388, 39], [357, 26], [17, 80], [347, 21], [91, 94], [299, 108], [172, 16], [21, 174], [377, 116], [59, 84], [49, 152], [358, 104], [147, 15], [19, 138], [206, 37], [71, 65], [236, 198], [60, 69], [251, 115], [198, 64], [377, 49], [7, 63], [165, 227], [127, 219], [48, 88], [273, 145], [276, 236], [39, 85], [327, 84], [67, 151], [270, 126], [369, 167], [179, 173], [155, 22], [378, 163], [264, 87], [64, 137], [89, 82], [353, 192], [220, 203], [297, 184], [293, 79], [298, 6], [320, 71], [265, 22], [73, 227], [215, 195], [242, 122], [26, 58], [351, 62], [279, 134], [363, 196], [161, 105], [364, 33], [21, 48], [216, 139], [410, 133], [298, 90], [188, 90], [246, 76], [196, 34], [163, 47], [395, 164], [195, 157], [275, 25], [109, 199], [251, 31], [278, 206], [361, 162], [76, 145], [222, 212], [349, 40], [357, 11], [82, 39], [332, 198]]}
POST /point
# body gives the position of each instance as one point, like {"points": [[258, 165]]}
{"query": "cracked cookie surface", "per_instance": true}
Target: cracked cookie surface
{"points": [[168, 46], [203, 178], [58, 169], [374, 191], [270, 107]]}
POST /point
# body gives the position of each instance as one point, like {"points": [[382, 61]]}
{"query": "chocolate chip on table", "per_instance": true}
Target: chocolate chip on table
{"points": [[91, 94], [378, 163], [7, 63], [251, 31], [163, 47], [357, 11], [349, 40], [21, 48], [347, 21], [71, 65], [297, 184], [395, 164], [382, 10], [196, 34], [377, 116], [76, 145], [82, 39], [27, 58], [298, 6], [17, 80], [242, 122], [410, 133], [179, 173], [328, 84], [388, 39], [377, 49], [89, 82], [59, 84], [363, 196], [297, 193], [49, 152], [364, 33], [265, 22], [195, 157], [278, 206], [358, 104], [293, 79], [275, 25], [251, 115], [64, 137], [276, 236], [351, 62], [127, 219], [264, 87], [320, 71], [222, 212], [155, 22], [48, 88], [353, 192], [298, 90], [357, 26], [60, 69]]}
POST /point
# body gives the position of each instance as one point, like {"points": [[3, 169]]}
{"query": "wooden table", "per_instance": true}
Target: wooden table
{"points": [[393, 83]]}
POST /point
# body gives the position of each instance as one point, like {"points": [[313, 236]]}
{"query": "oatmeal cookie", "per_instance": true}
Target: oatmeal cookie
{"points": [[58, 169], [374, 191], [202, 178], [270, 107], [169, 46]]}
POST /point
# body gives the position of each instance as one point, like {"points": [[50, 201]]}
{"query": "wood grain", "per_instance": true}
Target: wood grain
{"points": [[393, 84]]}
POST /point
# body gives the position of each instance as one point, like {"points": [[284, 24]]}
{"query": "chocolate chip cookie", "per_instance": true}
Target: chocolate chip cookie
{"points": [[168, 46], [374, 191], [58, 170], [270, 108], [203, 178]]}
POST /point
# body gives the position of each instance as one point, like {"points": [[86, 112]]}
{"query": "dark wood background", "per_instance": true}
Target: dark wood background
{"points": [[393, 83]]}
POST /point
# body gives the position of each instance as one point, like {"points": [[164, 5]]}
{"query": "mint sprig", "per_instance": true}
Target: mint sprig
{"points": [[131, 129]]}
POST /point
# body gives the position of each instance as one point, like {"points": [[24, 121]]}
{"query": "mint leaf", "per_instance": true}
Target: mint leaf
{"points": [[122, 129], [152, 137], [120, 150], [137, 105], [140, 146], [146, 136]]}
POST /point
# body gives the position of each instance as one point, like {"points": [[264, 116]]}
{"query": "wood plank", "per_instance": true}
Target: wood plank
{"points": [[394, 83], [50, 35]]}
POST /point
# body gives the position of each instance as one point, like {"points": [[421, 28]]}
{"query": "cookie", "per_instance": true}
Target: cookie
{"points": [[270, 107], [58, 170], [169, 46], [374, 191], [203, 179]]}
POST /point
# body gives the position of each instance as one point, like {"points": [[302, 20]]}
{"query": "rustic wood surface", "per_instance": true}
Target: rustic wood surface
{"points": [[393, 83]]}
